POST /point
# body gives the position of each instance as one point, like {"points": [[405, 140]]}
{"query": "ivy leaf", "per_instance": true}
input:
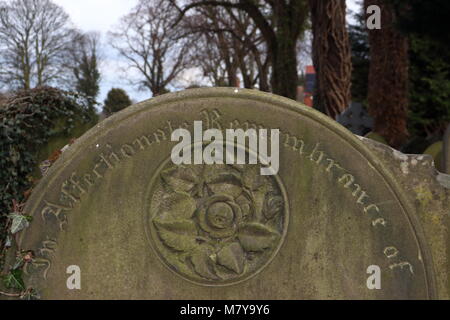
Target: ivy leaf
{"points": [[31, 294], [255, 237], [177, 235], [13, 280], [232, 257], [202, 260], [18, 263], [19, 222], [180, 205], [8, 242]]}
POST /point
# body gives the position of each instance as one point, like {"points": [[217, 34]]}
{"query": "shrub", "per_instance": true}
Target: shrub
{"points": [[28, 119]]}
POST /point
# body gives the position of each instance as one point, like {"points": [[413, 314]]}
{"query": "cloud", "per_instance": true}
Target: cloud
{"points": [[96, 15]]}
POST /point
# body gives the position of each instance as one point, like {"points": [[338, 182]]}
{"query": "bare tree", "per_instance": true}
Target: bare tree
{"points": [[331, 55], [208, 57], [147, 39], [230, 45], [34, 39], [281, 23]]}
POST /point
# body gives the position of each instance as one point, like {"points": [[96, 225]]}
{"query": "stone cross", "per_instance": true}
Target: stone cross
{"points": [[356, 119]]}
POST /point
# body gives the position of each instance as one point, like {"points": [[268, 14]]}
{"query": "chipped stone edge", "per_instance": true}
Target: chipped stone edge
{"points": [[409, 161]]}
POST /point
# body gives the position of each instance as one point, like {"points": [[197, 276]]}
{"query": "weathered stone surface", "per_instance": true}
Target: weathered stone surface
{"points": [[337, 206], [428, 191]]}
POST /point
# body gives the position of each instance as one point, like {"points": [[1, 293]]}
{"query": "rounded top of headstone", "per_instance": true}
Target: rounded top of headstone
{"points": [[138, 226]]}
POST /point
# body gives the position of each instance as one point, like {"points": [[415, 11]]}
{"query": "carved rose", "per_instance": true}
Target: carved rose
{"points": [[217, 218]]}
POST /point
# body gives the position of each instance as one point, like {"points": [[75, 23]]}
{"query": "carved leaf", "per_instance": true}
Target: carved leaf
{"points": [[232, 257], [184, 227], [178, 235], [180, 205], [179, 179], [256, 237], [273, 206], [203, 263]]}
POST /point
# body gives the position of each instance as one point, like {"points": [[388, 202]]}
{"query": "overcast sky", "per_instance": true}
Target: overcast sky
{"points": [[101, 16]]}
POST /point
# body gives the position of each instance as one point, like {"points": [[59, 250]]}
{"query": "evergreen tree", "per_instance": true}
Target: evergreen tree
{"points": [[86, 69], [116, 100], [427, 24]]}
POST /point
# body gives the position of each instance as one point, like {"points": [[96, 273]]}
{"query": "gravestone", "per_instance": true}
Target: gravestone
{"points": [[376, 137], [436, 150], [447, 151], [356, 119], [140, 227]]}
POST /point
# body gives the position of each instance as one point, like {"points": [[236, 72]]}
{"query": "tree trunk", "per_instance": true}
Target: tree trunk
{"points": [[388, 77], [284, 62], [284, 53], [331, 55]]}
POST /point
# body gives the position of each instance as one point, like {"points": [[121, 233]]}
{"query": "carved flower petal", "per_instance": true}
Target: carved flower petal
{"points": [[246, 205], [231, 190], [226, 183]]}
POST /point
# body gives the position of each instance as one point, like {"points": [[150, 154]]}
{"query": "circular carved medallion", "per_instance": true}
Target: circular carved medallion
{"points": [[216, 224]]}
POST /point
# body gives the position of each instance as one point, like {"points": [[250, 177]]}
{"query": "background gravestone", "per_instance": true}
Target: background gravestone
{"points": [[356, 119], [436, 150], [446, 150], [140, 227]]}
